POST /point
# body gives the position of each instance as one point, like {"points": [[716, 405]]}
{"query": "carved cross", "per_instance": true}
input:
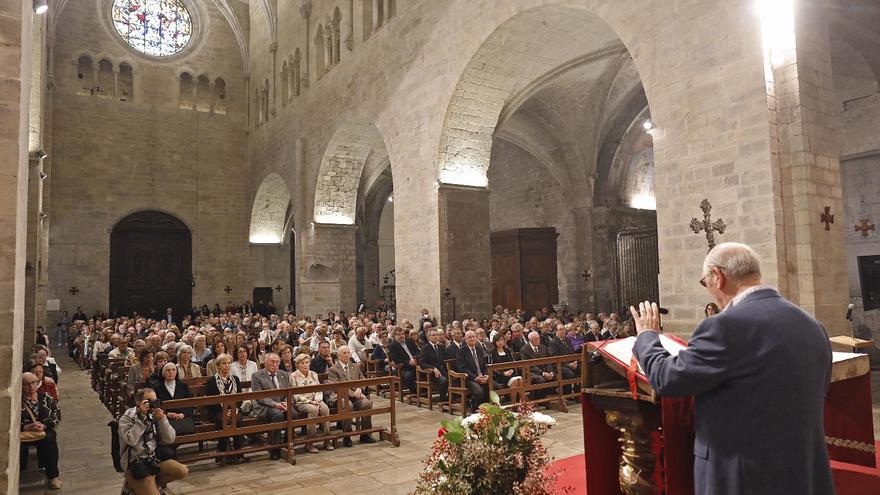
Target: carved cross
{"points": [[864, 226], [228, 289], [278, 288], [707, 224], [73, 290], [827, 218]]}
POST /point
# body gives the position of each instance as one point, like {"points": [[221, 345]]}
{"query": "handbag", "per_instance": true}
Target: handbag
{"points": [[31, 436]]}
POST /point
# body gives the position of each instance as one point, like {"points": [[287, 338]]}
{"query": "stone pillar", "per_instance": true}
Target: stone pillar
{"points": [[15, 44], [386, 10], [465, 255], [376, 21], [32, 256], [328, 274], [804, 119]]}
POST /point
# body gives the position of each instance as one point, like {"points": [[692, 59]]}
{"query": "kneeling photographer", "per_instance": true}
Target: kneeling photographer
{"points": [[142, 429]]}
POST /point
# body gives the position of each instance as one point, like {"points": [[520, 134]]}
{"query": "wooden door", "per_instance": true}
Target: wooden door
{"points": [[150, 265]]}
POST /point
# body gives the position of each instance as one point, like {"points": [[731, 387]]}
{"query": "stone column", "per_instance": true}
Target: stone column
{"points": [[305, 11], [15, 49], [804, 119], [376, 21], [32, 253], [386, 10], [329, 270], [465, 255]]}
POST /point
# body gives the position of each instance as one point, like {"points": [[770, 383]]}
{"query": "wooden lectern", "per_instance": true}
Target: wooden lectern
{"points": [[637, 442]]}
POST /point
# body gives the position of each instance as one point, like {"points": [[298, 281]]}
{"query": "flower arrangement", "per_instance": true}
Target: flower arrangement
{"points": [[493, 451]]}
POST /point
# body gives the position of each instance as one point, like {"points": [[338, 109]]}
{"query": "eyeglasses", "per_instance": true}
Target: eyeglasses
{"points": [[703, 280]]}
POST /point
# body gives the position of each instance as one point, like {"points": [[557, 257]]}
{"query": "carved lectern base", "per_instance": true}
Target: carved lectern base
{"points": [[636, 458]]}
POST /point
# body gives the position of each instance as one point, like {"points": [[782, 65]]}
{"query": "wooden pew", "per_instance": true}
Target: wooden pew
{"points": [[425, 391], [458, 393], [235, 424], [555, 389]]}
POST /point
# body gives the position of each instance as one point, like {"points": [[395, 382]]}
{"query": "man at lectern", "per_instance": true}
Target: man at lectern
{"points": [[759, 372]]}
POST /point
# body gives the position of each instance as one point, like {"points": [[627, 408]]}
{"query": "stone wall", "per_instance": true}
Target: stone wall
{"points": [[15, 70], [113, 157]]}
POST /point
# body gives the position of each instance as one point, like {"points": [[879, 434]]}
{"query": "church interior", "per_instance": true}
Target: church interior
{"points": [[323, 160]]}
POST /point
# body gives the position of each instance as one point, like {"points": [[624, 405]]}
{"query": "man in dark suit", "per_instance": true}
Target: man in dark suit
{"points": [[594, 332], [433, 359], [272, 408], [456, 344], [759, 372], [542, 373], [517, 338], [403, 352], [472, 361], [323, 360], [560, 346]]}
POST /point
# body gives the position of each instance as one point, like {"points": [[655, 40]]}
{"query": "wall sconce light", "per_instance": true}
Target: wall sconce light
{"points": [[43, 215], [43, 176]]}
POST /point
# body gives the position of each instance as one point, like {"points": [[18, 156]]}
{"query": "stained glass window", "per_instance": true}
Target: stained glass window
{"points": [[154, 27]]}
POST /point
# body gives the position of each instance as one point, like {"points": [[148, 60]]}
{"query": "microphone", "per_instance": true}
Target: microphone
{"points": [[849, 311]]}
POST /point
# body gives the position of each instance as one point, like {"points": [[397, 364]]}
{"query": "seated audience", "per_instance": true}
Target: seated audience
{"points": [[433, 359], [47, 384], [539, 373], [170, 388], [218, 348], [243, 367], [403, 353], [224, 383], [344, 370], [142, 429], [185, 367], [274, 409], [359, 345], [139, 374], [122, 351], [471, 361], [506, 378], [312, 403], [323, 359], [40, 414], [380, 353]]}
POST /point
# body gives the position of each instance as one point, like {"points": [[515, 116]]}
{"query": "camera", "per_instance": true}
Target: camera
{"points": [[154, 404], [142, 467]]}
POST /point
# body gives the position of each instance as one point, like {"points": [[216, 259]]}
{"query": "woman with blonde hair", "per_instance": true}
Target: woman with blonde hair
{"points": [[311, 404]]}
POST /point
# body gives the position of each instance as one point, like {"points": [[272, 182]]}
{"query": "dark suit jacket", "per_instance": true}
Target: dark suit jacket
{"points": [[591, 337], [181, 391], [211, 388], [319, 365], [526, 352], [517, 344], [261, 380], [464, 362], [560, 347], [759, 372], [431, 358], [452, 349], [398, 355]]}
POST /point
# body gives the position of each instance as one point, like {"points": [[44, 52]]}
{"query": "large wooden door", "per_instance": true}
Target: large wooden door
{"points": [[524, 268], [150, 265]]}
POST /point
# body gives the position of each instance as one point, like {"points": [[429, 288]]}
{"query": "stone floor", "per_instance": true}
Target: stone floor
{"points": [[86, 467]]}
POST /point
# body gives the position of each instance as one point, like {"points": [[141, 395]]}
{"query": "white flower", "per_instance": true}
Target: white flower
{"points": [[543, 419], [471, 420]]}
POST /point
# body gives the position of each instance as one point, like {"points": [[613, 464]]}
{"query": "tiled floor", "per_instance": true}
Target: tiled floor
{"points": [[87, 469]]}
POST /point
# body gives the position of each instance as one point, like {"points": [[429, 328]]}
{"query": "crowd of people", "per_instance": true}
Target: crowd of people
{"points": [[241, 345]]}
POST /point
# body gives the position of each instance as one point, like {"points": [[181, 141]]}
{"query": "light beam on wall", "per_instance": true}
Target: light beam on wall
{"points": [[334, 219], [777, 29], [472, 177], [643, 202], [265, 238]]}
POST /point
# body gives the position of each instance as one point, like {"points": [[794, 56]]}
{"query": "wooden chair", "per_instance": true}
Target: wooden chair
{"points": [[373, 371], [459, 395], [396, 370], [425, 389]]}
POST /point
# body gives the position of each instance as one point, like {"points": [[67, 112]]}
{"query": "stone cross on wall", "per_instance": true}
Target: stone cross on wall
{"points": [[707, 224], [864, 226], [228, 289], [827, 218]]}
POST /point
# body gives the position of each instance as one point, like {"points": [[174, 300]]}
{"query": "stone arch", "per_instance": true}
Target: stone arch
{"points": [[321, 273], [336, 190], [519, 51], [268, 214]]}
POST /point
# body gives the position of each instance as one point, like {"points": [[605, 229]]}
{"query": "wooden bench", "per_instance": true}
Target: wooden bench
{"points": [[555, 388], [234, 424], [425, 389], [396, 370]]}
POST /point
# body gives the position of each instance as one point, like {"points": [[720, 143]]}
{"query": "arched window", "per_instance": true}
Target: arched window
{"points": [[297, 73], [219, 103], [85, 74], [203, 94], [337, 20], [187, 90], [154, 27], [106, 87], [125, 83], [285, 84], [320, 58]]}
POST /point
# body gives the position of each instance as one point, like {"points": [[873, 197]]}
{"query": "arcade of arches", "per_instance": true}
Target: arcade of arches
{"points": [[376, 162]]}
